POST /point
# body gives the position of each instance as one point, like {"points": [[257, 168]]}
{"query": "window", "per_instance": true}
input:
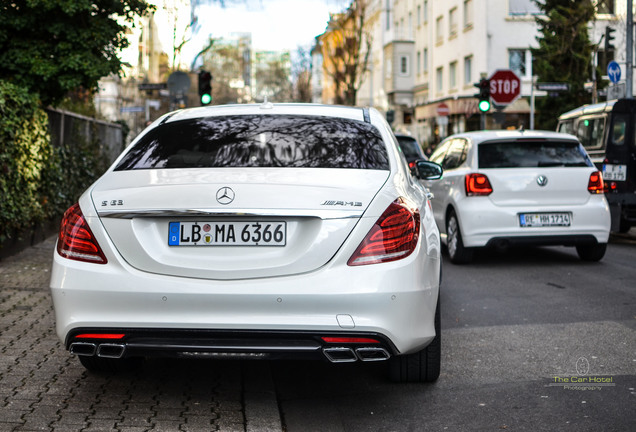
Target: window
{"points": [[293, 141], [419, 63], [530, 154], [440, 153], [425, 12], [468, 70], [456, 154], [439, 77], [419, 15], [452, 22], [452, 75], [590, 132], [517, 62], [425, 60], [388, 14], [404, 65], [410, 35], [439, 29], [468, 13], [607, 7], [523, 7]]}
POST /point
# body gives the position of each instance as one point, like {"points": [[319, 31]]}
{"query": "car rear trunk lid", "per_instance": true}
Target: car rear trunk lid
{"points": [[310, 211]]}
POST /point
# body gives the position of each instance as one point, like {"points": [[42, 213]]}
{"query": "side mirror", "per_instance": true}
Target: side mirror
{"points": [[426, 170]]}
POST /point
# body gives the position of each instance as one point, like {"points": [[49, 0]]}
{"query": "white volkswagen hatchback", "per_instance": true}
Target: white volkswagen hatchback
{"points": [[504, 188], [254, 231]]}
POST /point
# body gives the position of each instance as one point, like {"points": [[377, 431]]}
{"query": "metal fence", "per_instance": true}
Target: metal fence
{"points": [[70, 129]]}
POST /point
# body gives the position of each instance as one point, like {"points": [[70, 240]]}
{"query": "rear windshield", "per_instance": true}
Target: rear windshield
{"points": [[409, 147], [528, 154], [259, 141]]}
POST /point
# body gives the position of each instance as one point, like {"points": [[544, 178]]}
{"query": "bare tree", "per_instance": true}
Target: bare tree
{"points": [[346, 46], [301, 74]]}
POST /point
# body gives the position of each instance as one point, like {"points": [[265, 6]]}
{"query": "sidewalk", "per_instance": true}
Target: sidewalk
{"points": [[44, 388]]}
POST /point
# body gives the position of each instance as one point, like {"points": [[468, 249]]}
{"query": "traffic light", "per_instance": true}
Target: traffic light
{"points": [[205, 87], [608, 39], [484, 94], [390, 116]]}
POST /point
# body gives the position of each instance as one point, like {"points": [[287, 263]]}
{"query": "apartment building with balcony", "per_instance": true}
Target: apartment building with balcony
{"points": [[427, 53]]}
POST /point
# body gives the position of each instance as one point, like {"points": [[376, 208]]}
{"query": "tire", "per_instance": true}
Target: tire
{"points": [[422, 366], [457, 253], [592, 252], [110, 365], [624, 226]]}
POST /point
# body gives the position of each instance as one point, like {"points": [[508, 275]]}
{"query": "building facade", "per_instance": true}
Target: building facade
{"points": [[430, 53]]}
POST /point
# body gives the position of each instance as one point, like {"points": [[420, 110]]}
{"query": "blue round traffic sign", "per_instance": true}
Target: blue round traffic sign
{"points": [[614, 72]]}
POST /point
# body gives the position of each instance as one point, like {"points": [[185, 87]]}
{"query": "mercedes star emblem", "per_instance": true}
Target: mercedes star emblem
{"points": [[542, 180], [225, 195]]}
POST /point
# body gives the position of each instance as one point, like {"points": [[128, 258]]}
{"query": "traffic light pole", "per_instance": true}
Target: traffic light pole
{"points": [[629, 42]]}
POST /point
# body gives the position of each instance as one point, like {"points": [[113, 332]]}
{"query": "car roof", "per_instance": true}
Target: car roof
{"points": [[503, 135], [266, 108]]}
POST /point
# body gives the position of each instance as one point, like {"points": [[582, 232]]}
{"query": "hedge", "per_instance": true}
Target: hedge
{"points": [[38, 182]]}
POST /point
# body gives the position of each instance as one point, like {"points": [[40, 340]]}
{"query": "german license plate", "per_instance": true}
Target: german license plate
{"points": [[614, 172], [544, 219], [227, 233]]}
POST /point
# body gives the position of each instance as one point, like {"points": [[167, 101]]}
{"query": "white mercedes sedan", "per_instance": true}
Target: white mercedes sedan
{"points": [[518, 188], [255, 232]]}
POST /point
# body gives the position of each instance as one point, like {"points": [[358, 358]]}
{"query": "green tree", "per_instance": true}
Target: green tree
{"points": [[52, 47], [564, 55]]}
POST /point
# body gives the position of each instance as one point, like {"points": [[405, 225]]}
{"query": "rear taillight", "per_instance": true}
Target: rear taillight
{"points": [[76, 240], [477, 185], [100, 336], [595, 185], [394, 236]]}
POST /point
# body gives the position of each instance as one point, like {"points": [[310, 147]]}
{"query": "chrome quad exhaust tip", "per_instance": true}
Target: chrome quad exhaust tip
{"points": [[349, 355], [83, 348], [111, 350], [372, 354], [340, 354], [104, 350]]}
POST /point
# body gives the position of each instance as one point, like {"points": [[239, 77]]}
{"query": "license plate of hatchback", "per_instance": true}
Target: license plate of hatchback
{"points": [[614, 172], [544, 219], [271, 233]]}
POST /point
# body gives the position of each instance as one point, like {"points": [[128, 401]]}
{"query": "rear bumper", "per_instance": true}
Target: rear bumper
{"points": [[544, 240], [482, 223], [394, 300], [196, 343]]}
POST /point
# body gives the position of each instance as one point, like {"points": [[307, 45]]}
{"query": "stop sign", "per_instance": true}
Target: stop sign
{"points": [[505, 87]]}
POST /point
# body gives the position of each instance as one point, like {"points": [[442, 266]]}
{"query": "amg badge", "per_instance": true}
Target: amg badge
{"points": [[342, 203]]}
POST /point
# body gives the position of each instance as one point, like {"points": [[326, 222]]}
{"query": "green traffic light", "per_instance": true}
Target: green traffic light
{"points": [[206, 99], [484, 106]]}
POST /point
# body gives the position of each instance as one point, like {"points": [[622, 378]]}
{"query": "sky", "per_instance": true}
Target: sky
{"points": [[275, 24]]}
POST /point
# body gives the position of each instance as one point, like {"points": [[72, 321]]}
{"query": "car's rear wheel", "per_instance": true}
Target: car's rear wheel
{"points": [[422, 366], [592, 252], [101, 364], [457, 253]]}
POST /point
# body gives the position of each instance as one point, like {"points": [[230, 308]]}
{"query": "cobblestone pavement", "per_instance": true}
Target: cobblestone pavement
{"points": [[44, 388]]}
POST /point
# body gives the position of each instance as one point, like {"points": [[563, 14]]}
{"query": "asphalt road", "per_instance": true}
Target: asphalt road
{"points": [[533, 340], [515, 325]]}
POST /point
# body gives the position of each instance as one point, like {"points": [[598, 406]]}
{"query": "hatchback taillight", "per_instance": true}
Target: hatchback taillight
{"points": [[76, 240], [394, 236], [595, 185], [477, 185]]}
